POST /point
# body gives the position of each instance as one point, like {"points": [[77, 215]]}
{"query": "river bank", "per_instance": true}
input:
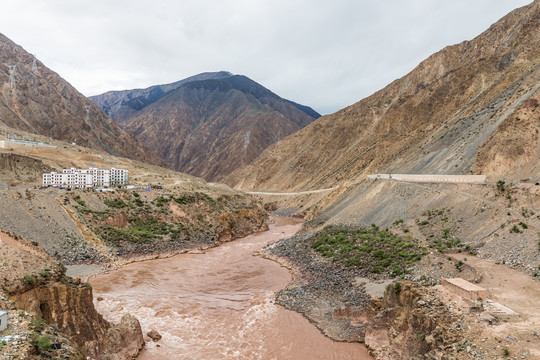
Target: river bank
{"points": [[326, 295], [217, 304]]}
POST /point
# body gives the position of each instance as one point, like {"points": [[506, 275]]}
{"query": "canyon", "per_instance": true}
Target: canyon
{"points": [[190, 258]]}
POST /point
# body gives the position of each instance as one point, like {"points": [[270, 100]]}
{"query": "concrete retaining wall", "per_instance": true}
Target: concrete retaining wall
{"points": [[3, 320], [465, 289], [431, 178], [12, 144]]}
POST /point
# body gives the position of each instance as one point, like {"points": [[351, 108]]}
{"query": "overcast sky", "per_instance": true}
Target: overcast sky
{"points": [[324, 54]]}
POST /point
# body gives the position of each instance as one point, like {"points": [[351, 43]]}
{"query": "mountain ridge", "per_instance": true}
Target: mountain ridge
{"points": [[208, 127], [436, 119], [35, 99]]}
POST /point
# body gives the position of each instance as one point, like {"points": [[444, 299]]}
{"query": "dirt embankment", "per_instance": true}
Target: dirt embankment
{"points": [[341, 271], [36, 291], [84, 227]]}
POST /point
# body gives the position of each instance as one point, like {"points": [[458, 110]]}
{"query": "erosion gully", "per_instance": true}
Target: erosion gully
{"points": [[217, 304]]}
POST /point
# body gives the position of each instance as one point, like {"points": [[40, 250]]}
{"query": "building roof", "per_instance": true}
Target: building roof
{"points": [[2, 312]]}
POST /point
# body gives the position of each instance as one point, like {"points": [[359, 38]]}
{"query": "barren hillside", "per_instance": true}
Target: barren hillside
{"points": [[37, 100], [461, 111]]}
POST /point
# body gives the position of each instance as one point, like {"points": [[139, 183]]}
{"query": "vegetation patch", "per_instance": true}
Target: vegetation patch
{"points": [[116, 203], [143, 230], [29, 279], [378, 250], [194, 198]]}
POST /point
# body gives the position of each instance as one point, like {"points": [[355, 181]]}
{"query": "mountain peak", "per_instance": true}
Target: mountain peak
{"points": [[209, 124]]}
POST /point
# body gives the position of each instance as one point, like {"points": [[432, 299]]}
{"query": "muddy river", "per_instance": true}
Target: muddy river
{"points": [[217, 305]]}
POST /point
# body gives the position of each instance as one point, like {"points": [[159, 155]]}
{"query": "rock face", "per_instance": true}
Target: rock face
{"points": [[70, 308], [207, 125], [458, 112], [35, 283], [37, 100], [412, 324]]}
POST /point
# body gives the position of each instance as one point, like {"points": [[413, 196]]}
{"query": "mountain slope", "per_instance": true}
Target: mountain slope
{"points": [[210, 127], [37, 100], [455, 113], [121, 105]]}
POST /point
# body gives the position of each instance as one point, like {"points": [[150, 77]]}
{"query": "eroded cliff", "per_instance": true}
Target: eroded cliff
{"points": [[35, 283]]}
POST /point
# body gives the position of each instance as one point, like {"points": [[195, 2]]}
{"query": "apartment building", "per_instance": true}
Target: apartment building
{"points": [[86, 178]]}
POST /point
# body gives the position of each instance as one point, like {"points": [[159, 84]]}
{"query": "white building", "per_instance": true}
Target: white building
{"points": [[3, 320], [85, 178]]}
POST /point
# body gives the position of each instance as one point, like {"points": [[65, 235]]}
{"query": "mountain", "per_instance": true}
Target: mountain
{"points": [[121, 105], [471, 108], [37, 100], [207, 125]]}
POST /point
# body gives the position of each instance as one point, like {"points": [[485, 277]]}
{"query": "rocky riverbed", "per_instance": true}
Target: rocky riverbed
{"points": [[321, 292]]}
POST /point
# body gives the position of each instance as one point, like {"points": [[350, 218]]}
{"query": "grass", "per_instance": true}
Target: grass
{"points": [[371, 248]]}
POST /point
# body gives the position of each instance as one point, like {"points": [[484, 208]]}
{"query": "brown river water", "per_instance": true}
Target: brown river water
{"points": [[217, 305]]}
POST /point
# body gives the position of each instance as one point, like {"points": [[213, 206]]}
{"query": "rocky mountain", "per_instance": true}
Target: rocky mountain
{"points": [[207, 125], [471, 108], [123, 104], [37, 100]]}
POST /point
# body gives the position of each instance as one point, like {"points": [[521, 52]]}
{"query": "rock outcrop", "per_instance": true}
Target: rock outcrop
{"points": [[70, 308], [34, 282], [412, 323]]}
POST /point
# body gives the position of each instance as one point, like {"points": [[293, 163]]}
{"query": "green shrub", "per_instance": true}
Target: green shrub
{"points": [[500, 186], [29, 279], [523, 225], [161, 200], [515, 229], [116, 203], [37, 323], [42, 343], [81, 202], [371, 248], [141, 230]]}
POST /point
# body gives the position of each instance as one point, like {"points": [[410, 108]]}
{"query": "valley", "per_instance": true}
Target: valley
{"points": [[403, 226]]}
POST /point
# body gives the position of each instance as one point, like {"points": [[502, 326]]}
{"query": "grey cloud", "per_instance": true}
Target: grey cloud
{"points": [[324, 54]]}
